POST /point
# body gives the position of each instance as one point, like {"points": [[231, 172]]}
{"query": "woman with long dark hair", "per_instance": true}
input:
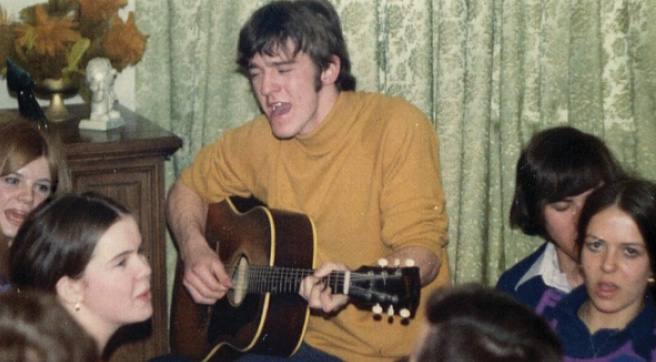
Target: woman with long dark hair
{"points": [[612, 316], [85, 249]]}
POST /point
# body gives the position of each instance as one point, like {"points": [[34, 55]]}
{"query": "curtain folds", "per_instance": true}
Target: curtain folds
{"points": [[487, 73]]}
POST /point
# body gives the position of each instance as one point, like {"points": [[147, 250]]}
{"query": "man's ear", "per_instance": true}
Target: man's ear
{"points": [[70, 291], [331, 72]]}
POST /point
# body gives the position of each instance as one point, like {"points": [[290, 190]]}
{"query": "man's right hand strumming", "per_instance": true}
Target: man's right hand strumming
{"points": [[205, 277]]}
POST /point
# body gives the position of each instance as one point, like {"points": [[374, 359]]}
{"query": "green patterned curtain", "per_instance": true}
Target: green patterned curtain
{"points": [[487, 73]]}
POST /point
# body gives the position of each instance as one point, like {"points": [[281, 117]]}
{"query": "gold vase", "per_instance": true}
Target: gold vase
{"points": [[57, 90]]}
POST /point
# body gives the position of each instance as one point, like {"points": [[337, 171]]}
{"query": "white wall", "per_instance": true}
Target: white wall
{"points": [[124, 85]]}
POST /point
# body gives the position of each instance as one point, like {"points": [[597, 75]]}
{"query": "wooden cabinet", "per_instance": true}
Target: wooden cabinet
{"points": [[127, 164]]}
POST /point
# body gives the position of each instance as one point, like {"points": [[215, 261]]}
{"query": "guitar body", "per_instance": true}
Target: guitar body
{"points": [[272, 324]]}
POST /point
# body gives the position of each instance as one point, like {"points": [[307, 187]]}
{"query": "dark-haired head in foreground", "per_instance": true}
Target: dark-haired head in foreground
{"points": [[472, 322], [34, 327]]}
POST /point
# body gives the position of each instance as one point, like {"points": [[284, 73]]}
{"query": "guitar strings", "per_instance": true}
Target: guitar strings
{"points": [[263, 278], [265, 270]]}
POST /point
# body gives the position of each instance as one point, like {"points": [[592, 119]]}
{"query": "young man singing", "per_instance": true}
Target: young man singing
{"points": [[365, 167]]}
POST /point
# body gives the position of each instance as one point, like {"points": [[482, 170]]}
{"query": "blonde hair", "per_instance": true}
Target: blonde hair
{"points": [[23, 143]]}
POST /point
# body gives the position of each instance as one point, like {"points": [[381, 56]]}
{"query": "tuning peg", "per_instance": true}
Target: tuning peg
{"points": [[377, 309], [390, 311], [397, 262], [409, 263], [405, 313], [382, 262]]}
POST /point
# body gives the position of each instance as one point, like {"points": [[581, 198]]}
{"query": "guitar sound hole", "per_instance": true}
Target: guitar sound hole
{"points": [[239, 282]]}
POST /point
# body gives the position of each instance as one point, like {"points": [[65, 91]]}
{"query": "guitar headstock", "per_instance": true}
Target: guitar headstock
{"points": [[395, 289]]}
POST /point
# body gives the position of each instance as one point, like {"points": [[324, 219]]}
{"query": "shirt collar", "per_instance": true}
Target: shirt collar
{"points": [[546, 266]]}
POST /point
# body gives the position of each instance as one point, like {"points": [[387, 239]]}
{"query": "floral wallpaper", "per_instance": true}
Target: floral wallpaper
{"points": [[488, 74]]}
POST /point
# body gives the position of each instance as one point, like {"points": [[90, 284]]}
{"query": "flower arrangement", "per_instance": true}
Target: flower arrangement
{"points": [[55, 40]]}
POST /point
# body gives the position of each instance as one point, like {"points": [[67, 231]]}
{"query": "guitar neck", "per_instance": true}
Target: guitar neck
{"points": [[398, 287], [265, 279]]}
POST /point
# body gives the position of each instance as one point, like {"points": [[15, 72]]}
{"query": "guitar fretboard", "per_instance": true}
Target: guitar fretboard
{"points": [[265, 279]]}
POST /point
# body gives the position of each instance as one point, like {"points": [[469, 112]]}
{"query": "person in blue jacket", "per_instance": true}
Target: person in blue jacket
{"points": [[612, 316], [556, 172]]}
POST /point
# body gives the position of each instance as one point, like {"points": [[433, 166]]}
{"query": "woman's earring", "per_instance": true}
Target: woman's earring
{"points": [[650, 281], [77, 306]]}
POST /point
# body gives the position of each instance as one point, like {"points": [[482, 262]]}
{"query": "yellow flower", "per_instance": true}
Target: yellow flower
{"points": [[58, 39], [99, 10], [49, 35], [124, 43]]}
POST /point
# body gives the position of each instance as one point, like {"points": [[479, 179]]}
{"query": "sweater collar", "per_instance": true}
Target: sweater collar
{"points": [[332, 127], [571, 303]]}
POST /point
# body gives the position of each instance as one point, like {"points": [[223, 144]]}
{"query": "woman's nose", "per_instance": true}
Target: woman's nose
{"points": [[26, 194], [144, 268], [608, 262]]}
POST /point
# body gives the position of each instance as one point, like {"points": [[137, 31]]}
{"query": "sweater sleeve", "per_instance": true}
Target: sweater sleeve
{"points": [[412, 199], [231, 165]]}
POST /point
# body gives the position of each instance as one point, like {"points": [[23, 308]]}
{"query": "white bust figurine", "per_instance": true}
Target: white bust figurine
{"points": [[100, 76]]}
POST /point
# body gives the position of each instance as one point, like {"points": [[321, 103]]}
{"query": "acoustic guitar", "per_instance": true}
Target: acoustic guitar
{"points": [[268, 252]]}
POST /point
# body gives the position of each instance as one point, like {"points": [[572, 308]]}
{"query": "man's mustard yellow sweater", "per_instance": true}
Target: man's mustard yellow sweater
{"points": [[368, 176]]}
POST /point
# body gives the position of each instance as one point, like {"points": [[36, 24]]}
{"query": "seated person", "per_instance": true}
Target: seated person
{"points": [[556, 172], [472, 322], [363, 166], [612, 316], [86, 250], [34, 327], [32, 168]]}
